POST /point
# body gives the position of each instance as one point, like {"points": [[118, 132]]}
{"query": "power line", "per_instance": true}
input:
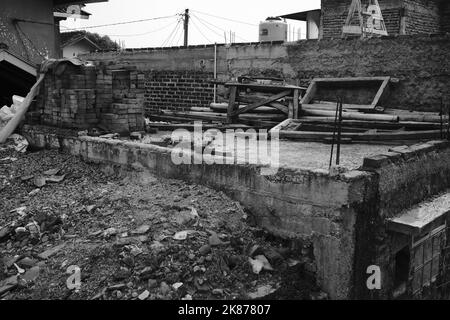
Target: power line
{"points": [[204, 22], [171, 34], [174, 36], [125, 22], [198, 29], [145, 33], [228, 19]]}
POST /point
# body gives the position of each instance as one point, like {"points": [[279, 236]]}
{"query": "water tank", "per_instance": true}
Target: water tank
{"points": [[273, 29]]}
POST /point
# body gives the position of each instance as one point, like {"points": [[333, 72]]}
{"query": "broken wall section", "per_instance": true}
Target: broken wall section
{"points": [[85, 97]]}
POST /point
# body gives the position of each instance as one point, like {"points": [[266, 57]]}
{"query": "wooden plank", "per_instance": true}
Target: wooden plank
{"points": [[262, 87], [262, 103], [232, 105], [280, 126], [378, 136], [352, 30], [310, 93], [279, 106], [351, 79], [353, 115], [380, 92], [296, 103]]}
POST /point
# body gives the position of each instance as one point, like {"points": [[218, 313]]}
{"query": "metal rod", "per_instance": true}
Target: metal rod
{"points": [[442, 116], [215, 72], [448, 123], [334, 133], [338, 155]]}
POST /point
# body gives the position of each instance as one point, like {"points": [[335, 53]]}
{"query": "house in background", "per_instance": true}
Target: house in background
{"points": [[74, 45], [402, 17], [29, 33]]}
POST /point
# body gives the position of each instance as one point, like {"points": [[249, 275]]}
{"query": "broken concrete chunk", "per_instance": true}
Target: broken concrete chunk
{"points": [[50, 252]]}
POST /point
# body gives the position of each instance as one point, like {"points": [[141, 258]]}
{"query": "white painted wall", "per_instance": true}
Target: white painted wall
{"points": [[75, 49]]}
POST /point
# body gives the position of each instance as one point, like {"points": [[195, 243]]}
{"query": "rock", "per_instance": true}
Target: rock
{"points": [[50, 252], [4, 232], [214, 240], [51, 172], [109, 232], [217, 292], [8, 284], [145, 273], [90, 209], [266, 264], [164, 287], [191, 256], [55, 179], [204, 249], [262, 291], [256, 265], [34, 192], [144, 295], [32, 274], [141, 230], [39, 181], [152, 283], [27, 262], [177, 285], [119, 286]]}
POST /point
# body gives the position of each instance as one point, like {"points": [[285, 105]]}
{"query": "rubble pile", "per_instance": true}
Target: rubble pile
{"points": [[72, 230]]}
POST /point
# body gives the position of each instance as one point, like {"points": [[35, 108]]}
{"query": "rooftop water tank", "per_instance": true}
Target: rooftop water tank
{"points": [[273, 29]]}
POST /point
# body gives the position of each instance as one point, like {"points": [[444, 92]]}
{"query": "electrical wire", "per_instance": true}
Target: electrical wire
{"points": [[125, 22], [204, 22], [171, 34], [143, 34], [198, 29], [174, 36], [223, 18]]}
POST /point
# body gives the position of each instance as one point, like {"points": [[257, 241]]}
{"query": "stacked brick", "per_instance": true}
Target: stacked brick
{"points": [[86, 97], [177, 90]]}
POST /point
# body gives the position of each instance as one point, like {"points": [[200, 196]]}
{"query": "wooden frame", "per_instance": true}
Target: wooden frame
{"points": [[312, 90], [279, 92]]}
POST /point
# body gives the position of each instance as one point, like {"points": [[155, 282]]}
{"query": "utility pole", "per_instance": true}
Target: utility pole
{"points": [[186, 27]]}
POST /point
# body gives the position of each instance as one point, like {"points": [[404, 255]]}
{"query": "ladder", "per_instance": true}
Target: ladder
{"points": [[371, 21]]}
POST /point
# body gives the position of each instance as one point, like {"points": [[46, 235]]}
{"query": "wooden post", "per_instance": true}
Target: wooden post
{"points": [[232, 108], [296, 104]]}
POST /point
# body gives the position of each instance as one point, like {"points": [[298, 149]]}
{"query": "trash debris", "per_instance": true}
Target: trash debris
{"points": [[20, 143], [262, 292], [177, 285], [256, 265], [144, 295]]}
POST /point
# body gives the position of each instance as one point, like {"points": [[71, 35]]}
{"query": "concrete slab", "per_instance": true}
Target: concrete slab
{"points": [[422, 217]]}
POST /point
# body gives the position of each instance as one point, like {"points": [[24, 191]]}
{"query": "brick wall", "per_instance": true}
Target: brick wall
{"points": [[422, 16], [335, 13], [177, 90], [87, 97], [445, 16]]}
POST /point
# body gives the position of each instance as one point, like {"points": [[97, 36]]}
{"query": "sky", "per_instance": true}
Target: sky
{"points": [[209, 20]]}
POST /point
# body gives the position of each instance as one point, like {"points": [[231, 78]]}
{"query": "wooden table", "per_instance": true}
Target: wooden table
{"points": [[278, 92]]}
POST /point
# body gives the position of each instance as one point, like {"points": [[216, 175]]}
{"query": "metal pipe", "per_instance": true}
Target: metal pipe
{"points": [[334, 134], [338, 152], [215, 72]]}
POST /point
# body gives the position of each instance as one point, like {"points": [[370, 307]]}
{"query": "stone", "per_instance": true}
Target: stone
{"points": [[32, 274], [152, 283], [144, 295], [205, 249], [27, 262], [217, 292], [164, 287], [141, 230], [50, 252]]}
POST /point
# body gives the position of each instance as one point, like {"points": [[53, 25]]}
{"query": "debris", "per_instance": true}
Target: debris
{"points": [[8, 284], [144, 295], [39, 181], [214, 240], [266, 264], [152, 283], [217, 292], [262, 292], [182, 235], [32, 274], [177, 285], [135, 136], [204, 249], [19, 270], [51, 172], [109, 232], [90, 209], [55, 179], [20, 143], [20, 211], [50, 252], [164, 288], [34, 192], [141, 230]]}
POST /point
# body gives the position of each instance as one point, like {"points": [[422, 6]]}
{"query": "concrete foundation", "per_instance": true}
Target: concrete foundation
{"points": [[341, 218]]}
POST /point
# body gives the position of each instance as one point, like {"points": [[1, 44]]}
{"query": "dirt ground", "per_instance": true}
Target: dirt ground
{"points": [[132, 236]]}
